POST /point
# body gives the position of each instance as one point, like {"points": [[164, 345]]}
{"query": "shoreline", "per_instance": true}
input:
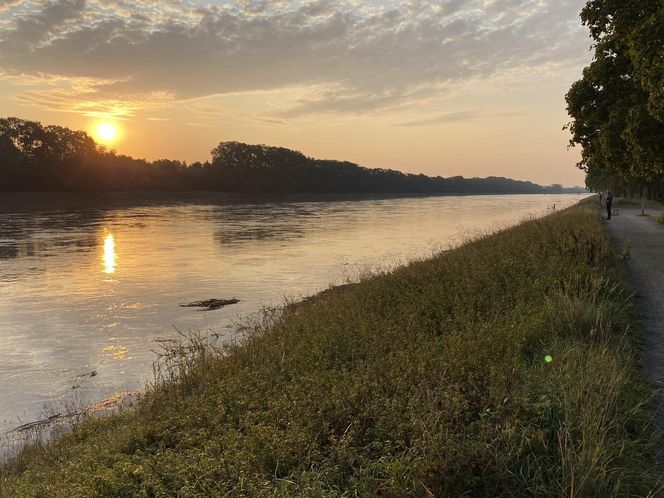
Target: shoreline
{"points": [[48, 429], [35, 200]]}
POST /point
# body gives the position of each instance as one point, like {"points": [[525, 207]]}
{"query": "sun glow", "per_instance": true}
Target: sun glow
{"points": [[106, 131]]}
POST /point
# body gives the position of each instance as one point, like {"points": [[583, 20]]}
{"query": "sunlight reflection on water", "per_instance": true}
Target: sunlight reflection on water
{"points": [[109, 257]]}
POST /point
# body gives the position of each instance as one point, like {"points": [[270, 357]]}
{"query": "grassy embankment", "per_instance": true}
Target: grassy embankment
{"points": [[648, 204], [430, 379]]}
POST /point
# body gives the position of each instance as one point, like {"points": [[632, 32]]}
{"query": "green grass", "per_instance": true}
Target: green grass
{"points": [[636, 202], [624, 201], [427, 380]]}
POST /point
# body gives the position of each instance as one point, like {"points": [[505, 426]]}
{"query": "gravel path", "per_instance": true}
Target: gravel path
{"points": [[645, 239]]}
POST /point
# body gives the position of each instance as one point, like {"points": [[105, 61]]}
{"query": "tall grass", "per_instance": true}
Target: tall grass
{"points": [[427, 380]]}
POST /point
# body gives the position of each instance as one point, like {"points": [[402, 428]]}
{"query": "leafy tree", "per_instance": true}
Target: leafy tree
{"points": [[647, 46], [617, 108]]}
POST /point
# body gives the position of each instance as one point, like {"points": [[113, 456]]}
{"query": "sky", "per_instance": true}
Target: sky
{"points": [[448, 87]]}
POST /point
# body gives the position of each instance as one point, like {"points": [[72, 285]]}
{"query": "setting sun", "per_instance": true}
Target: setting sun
{"points": [[106, 132]]}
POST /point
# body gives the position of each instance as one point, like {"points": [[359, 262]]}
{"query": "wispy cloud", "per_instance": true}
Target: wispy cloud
{"points": [[458, 117], [199, 125], [91, 104], [451, 117]]}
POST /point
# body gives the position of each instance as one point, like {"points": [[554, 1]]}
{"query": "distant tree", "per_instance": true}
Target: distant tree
{"points": [[37, 157], [49, 156], [14, 172], [239, 167]]}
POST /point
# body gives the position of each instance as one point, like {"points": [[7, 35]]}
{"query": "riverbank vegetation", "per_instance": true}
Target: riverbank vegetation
{"points": [[643, 204], [506, 367], [636, 202], [55, 159]]}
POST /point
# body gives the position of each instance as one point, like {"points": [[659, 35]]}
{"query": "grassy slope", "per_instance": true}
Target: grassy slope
{"points": [[627, 202], [635, 202], [429, 379]]}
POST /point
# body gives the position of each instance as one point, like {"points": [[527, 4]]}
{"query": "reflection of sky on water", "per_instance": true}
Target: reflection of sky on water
{"points": [[91, 287]]}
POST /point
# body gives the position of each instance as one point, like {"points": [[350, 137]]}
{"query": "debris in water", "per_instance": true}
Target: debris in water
{"points": [[211, 304], [106, 405], [92, 373]]}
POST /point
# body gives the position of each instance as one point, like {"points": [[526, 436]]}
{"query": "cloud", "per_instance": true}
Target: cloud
{"points": [[364, 56], [6, 4], [458, 117], [33, 28], [62, 100], [450, 117], [356, 101]]}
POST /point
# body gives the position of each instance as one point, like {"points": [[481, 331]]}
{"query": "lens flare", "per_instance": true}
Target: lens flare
{"points": [[548, 358]]}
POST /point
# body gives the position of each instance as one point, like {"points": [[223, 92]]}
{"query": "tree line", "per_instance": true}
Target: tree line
{"points": [[617, 107], [55, 158]]}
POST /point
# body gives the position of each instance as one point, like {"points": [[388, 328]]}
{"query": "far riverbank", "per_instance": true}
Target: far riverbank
{"points": [[13, 201]]}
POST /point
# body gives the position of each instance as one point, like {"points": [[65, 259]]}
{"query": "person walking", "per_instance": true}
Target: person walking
{"points": [[609, 204]]}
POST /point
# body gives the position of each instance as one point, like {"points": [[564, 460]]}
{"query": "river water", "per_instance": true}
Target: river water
{"points": [[88, 285]]}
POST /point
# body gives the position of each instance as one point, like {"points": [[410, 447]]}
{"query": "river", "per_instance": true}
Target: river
{"points": [[89, 284]]}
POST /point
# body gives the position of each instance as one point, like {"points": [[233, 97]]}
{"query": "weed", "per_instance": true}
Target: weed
{"points": [[625, 254]]}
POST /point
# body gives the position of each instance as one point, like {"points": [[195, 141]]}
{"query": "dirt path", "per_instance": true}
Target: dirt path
{"points": [[645, 239]]}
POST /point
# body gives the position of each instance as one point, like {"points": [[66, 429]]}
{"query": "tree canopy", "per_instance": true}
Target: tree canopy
{"points": [[617, 107], [53, 158]]}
